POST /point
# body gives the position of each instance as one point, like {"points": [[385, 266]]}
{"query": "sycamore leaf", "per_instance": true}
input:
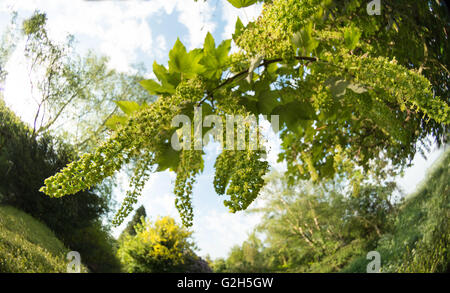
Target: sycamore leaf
{"points": [[168, 158], [183, 62], [351, 37], [295, 114], [128, 107], [304, 40], [215, 59], [155, 88], [209, 45], [114, 122], [238, 29], [337, 86], [178, 58], [267, 101], [167, 79], [242, 3]]}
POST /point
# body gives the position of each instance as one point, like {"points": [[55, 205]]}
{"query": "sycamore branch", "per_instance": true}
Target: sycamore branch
{"points": [[246, 71]]}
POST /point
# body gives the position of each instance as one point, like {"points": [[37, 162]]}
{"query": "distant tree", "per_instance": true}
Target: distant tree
{"points": [[140, 215], [313, 228], [250, 257], [161, 246], [68, 89]]}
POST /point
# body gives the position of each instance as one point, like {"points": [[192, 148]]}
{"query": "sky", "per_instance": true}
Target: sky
{"points": [[131, 32]]}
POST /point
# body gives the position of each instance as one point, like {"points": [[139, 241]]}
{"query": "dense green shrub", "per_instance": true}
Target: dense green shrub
{"points": [[137, 218], [160, 247], [96, 247], [25, 162], [421, 239]]}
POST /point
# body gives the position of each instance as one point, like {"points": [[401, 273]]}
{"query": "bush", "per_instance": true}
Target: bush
{"points": [[25, 162], [96, 247], [421, 237], [160, 247]]}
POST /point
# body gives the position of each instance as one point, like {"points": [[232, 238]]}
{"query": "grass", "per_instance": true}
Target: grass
{"points": [[28, 246]]}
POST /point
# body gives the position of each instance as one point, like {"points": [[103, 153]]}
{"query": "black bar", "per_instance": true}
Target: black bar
{"points": [[229, 282]]}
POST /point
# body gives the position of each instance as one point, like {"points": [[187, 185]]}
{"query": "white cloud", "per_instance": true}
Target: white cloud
{"points": [[230, 14], [120, 28], [197, 17], [161, 46], [216, 232], [17, 90]]}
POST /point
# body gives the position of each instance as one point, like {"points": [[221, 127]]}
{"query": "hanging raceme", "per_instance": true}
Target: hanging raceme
{"points": [[348, 97]]}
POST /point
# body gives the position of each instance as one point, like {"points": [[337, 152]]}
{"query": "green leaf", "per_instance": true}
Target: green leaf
{"points": [[114, 122], [223, 50], [357, 88], [267, 101], [238, 29], [351, 37], [168, 159], [178, 58], [337, 86], [155, 88], [166, 78], [183, 62], [304, 40], [209, 45], [128, 107], [194, 58], [295, 114], [215, 60], [242, 3]]}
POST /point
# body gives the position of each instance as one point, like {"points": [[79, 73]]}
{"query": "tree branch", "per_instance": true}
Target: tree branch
{"points": [[244, 72]]}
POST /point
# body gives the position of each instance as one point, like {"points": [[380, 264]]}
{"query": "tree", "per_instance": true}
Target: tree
{"points": [[160, 247], [357, 95], [69, 89], [313, 228], [77, 220], [250, 257], [139, 215], [8, 44], [420, 238]]}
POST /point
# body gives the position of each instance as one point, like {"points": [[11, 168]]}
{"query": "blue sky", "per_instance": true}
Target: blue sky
{"points": [[131, 32]]}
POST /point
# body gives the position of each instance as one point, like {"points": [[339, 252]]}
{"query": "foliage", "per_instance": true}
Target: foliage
{"points": [[137, 219], [8, 44], [162, 246], [24, 162], [248, 258], [28, 246], [357, 96], [420, 241], [312, 228], [70, 89], [97, 248]]}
